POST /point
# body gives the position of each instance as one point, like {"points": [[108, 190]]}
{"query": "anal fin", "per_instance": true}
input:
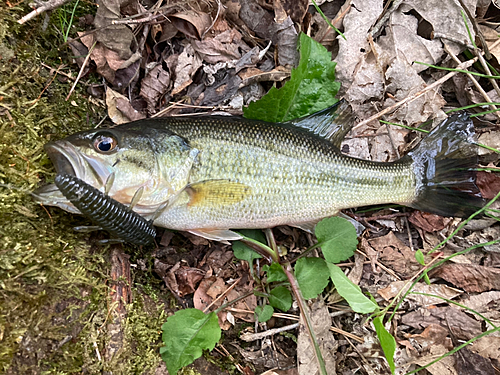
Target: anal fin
{"points": [[221, 235]]}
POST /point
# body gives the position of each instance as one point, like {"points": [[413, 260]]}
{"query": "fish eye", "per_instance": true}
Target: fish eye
{"points": [[105, 143]]}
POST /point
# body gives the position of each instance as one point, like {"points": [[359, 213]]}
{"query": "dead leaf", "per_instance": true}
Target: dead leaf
{"points": [[191, 23], [428, 222], [116, 38], [463, 326], [488, 347], [433, 334], [396, 255], [222, 48], [490, 139], [488, 183], [120, 111], [154, 85], [187, 65], [471, 363], [470, 277], [321, 322], [440, 290]]}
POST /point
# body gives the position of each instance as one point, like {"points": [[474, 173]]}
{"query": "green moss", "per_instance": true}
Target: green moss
{"points": [[53, 283]]}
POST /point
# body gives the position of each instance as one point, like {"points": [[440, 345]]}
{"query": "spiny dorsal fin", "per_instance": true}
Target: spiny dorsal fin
{"points": [[217, 192], [332, 123]]}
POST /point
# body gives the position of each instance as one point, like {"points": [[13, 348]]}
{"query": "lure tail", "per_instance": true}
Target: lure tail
{"points": [[444, 165]]}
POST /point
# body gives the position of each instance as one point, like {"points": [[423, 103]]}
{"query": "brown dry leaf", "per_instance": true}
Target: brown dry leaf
{"points": [[488, 347], [254, 75], [154, 85], [222, 48], [462, 325], [201, 300], [488, 183], [396, 255], [386, 142], [110, 64], [440, 290], [116, 38], [191, 23], [432, 335], [188, 63], [445, 366], [470, 277], [490, 139], [428, 222], [470, 363], [120, 111], [321, 322], [187, 278]]}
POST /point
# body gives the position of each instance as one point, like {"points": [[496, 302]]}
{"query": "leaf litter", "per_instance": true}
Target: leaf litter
{"points": [[202, 57]]}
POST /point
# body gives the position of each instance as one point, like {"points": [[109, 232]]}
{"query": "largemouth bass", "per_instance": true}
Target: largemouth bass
{"points": [[208, 175]]}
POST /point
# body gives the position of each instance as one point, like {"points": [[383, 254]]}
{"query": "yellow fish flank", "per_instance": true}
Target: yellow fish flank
{"points": [[208, 175]]}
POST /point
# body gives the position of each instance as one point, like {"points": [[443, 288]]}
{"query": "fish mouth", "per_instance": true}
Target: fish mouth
{"points": [[65, 157]]}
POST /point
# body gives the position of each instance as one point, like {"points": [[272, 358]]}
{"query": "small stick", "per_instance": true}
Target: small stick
{"points": [[473, 79], [81, 70], [417, 95], [221, 296], [49, 5]]}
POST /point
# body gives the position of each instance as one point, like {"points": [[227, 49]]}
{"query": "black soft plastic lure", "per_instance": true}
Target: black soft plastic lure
{"points": [[106, 212]]}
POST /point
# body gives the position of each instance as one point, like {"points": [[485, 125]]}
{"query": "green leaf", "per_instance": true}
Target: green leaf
{"points": [[311, 88], [350, 292], [419, 256], [337, 237], [186, 334], [264, 313], [387, 341], [281, 298], [242, 251], [312, 275], [275, 273]]}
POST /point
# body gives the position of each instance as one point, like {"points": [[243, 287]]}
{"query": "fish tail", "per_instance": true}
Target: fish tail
{"points": [[445, 165]]}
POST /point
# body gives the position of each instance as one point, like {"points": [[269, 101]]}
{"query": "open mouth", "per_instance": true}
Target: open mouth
{"points": [[65, 158]]}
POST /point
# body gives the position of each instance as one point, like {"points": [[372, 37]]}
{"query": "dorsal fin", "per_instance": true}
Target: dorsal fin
{"points": [[332, 123]]}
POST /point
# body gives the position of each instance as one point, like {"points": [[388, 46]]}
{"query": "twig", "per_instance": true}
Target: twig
{"points": [[49, 5], [81, 70], [473, 79], [384, 17], [221, 296], [476, 29], [464, 42], [488, 71], [270, 332], [213, 22], [464, 65]]}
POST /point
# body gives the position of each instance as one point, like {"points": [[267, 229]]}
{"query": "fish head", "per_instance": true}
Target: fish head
{"points": [[120, 161]]}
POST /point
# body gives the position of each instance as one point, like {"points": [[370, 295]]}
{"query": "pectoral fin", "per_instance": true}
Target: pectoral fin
{"points": [[221, 235], [216, 193], [307, 226]]}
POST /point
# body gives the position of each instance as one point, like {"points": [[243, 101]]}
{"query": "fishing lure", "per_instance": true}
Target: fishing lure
{"points": [[106, 212]]}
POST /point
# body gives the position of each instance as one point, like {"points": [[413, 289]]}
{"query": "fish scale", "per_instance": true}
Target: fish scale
{"points": [[298, 179]]}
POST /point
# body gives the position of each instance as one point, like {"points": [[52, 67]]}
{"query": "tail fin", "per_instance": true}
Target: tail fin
{"points": [[444, 164]]}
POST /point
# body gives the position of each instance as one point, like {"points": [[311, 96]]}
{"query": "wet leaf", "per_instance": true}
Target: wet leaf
{"points": [[312, 87], [488, 183], [281, 298], [428, 222], [350, 292], [312, 275], [338, 238], [186, 334]]}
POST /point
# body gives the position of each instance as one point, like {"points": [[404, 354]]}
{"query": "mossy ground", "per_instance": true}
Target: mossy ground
{"points": [[53, 290]]}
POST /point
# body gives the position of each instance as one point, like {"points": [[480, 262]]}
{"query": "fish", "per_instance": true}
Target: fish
{"points": [[214, 174]]}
